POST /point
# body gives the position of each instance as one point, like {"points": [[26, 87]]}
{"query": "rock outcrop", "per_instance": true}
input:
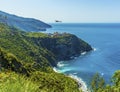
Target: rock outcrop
{"points": [[64, 46]]}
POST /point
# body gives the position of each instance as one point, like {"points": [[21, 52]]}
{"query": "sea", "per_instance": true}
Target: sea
{"points": [[103, 59]]}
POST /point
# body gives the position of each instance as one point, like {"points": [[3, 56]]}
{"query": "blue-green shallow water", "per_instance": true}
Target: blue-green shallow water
{"points": [[105, 59]]}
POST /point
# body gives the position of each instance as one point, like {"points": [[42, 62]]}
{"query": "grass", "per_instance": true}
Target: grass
{"points": [[11, 82]]}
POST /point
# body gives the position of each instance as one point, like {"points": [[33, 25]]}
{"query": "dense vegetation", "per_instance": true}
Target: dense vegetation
{"points": [[64, 46], [15, 41], [26, 24], [11, 82], [27, 66], [98, 83], [26, 61], [9, 62], [36, 81]]}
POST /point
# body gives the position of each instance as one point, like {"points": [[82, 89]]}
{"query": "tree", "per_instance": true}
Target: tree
{"points": [[97, 83], [116, 78]]}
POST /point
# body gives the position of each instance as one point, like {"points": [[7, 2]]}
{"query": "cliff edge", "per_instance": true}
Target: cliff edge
{"points": [[64, 46]]}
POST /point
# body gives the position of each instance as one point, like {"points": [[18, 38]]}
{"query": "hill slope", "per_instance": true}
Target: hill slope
{"points": [[26, 24], [36, 80], [39, 47], [35, 54]]}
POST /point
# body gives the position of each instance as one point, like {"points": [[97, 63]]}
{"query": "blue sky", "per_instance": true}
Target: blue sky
{"points": [[83, 11]]}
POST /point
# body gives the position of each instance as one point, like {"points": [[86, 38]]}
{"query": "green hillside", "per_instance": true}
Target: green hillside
{"points": [[20, 56], [26, 61]]}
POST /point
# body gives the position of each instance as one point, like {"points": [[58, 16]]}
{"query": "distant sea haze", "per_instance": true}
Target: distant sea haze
{"points": [[105, 58]]}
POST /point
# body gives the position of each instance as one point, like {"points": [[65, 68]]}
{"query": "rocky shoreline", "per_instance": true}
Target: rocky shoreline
{"points": [[81, 84]]}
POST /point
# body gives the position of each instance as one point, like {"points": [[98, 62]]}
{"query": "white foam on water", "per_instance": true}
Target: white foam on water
{"points": [[55, 69], [74, 73], [61, 64], [94, 49], [102, 74], [83, 53], [63, 70], [81, 83]]}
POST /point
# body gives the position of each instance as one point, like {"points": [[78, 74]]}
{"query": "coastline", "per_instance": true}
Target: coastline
{"points": [[82, 85]]}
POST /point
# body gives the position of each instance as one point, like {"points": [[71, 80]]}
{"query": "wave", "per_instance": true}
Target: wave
{"points": [[55, 69], [81, 83], [63, 70], [74, 73], [83, 53], [60, 64], [94, 49]]}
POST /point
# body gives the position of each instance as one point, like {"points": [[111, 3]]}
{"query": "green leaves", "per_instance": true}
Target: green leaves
{"points": [[10, 62], [98, 84], [116, 78], [54, 82], [22, 52], [11, 82]]}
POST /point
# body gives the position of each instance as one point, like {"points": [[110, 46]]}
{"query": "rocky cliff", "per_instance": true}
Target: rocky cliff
{"points": [[64, 46]]}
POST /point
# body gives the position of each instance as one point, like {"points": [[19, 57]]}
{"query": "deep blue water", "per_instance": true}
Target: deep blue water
{"points": [[105, 38]]}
